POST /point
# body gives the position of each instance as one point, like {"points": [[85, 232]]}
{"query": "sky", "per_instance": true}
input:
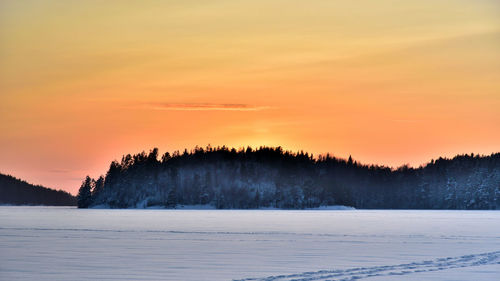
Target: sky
{"points": [[388, 82]]}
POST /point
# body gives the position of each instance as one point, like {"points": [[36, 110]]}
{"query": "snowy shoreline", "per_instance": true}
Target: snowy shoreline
{"points": [[211, 207]]}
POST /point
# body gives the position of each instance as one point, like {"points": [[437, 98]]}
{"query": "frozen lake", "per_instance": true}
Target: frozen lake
{"points": [[57, 243]]}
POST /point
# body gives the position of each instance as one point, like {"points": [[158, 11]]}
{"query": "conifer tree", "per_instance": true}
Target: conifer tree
{"points": [[84, 196]]}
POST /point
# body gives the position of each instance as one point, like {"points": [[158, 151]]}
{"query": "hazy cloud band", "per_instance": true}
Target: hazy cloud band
{"points": [[207, 107]]}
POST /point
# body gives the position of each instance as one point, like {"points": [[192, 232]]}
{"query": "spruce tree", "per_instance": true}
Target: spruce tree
{"points": [[84, 196], [172, 198]]}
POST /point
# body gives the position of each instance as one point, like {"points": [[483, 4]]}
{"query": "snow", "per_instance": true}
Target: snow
{"points": [[195, 207], [334, 207], [143, 205], [61, 243]]}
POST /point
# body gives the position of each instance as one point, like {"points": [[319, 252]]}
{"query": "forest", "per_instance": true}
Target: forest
{"points": [[246, 178], [14, 191]]}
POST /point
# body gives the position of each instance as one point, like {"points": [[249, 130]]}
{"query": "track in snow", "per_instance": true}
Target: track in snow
{"points": [[400, 269]]}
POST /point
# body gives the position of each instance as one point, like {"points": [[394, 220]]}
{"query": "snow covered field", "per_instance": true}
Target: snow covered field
{"points": [[56, 243]]}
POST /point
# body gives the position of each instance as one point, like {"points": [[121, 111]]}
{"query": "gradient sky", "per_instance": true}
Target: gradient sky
{"points": [[388, 82]]}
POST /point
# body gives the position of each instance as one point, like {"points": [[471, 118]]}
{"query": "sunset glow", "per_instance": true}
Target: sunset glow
{"points": [[388, 82]]}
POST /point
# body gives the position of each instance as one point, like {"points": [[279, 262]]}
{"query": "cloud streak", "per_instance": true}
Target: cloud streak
{"points": [[59, 171], [207, 107]]}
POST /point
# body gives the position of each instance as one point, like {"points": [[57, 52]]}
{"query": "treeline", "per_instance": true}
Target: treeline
{"points": [[14, 191], [273, 177]]}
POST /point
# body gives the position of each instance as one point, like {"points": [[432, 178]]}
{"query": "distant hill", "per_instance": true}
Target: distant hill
{"points": [[18, 192], [272, 177]]}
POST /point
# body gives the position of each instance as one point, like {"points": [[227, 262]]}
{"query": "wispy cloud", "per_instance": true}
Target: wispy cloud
{"points": [[59, 171], [207, 106], [406, 120]]}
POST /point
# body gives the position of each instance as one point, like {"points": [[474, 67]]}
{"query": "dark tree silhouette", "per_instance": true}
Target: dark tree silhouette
{"points": [[17, 192], [85, 193], [273, 177]]}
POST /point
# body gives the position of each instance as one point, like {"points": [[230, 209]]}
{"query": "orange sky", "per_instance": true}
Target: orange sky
{"points": [[388, 82]]}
